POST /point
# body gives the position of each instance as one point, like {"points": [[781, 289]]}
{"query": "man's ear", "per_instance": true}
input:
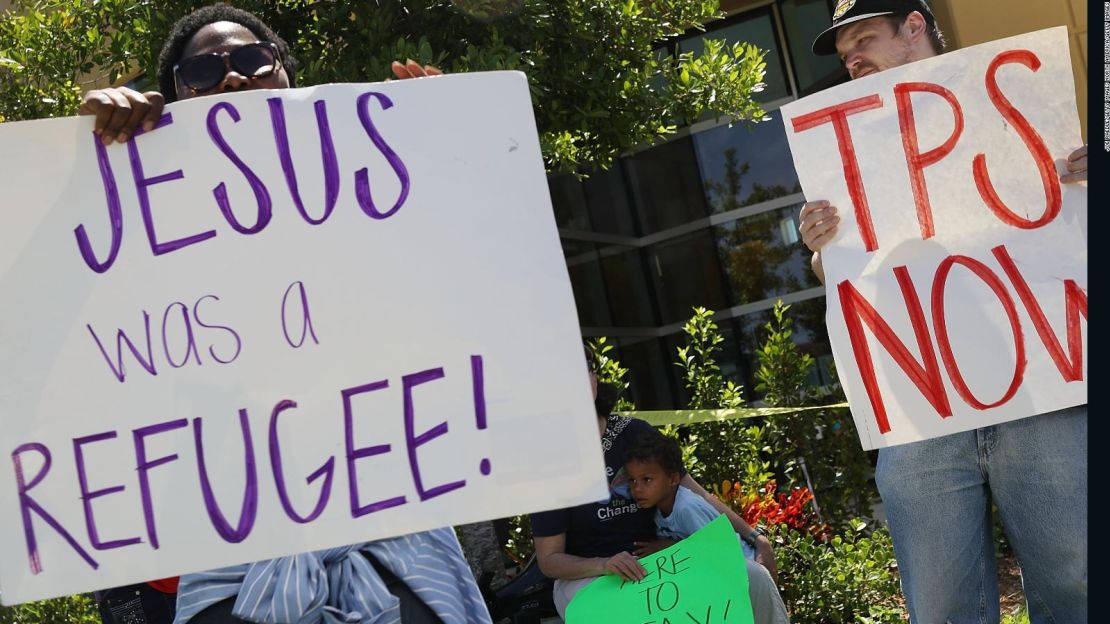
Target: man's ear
{"points": [[915, 25], [675, 478]]}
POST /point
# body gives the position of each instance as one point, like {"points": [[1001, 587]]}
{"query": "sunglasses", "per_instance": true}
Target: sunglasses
{"points": [[205, 71]]}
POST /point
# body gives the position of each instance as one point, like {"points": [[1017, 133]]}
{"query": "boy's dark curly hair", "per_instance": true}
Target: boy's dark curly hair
{"points": [[653, 446], [184, 29]]}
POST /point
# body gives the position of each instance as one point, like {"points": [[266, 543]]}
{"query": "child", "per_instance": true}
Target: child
{"points": [[653, 466]]}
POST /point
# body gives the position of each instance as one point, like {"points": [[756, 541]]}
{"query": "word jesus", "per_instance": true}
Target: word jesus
{"points": [[264, 204]]}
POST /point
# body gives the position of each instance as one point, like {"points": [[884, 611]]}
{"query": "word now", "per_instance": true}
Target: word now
{"points": [[917, 161], [263, 213], [925, 374], [241, 529]]}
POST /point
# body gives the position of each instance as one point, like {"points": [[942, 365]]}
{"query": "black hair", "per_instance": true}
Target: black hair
{"points": [[936, 37], [652, 446], [184, 29]]}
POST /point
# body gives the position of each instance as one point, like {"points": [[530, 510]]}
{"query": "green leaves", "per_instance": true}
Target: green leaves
{"points": [[609, 370], [52, 49], [78, 609], [849, 578], [600, 85]]}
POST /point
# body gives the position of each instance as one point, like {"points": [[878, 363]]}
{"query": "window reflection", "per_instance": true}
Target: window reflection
{"points": [[569, 202], [627, 282], [607, 202], [745, 164], [803, 20], [587, 283], [763, 256], [687, 274], [666, 187], [651, 380]]}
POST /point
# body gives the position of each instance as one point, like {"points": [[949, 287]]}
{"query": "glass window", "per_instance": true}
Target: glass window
{"points": [[627, 281], [607, 200], [745, 164], [763, 256], [757, 29], [686, 272], [803, 20], [587, 283], [569, 202], [651, 380], [666, 187]]}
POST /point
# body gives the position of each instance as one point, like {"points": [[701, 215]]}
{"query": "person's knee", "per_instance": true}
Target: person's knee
{"points": [[767, 605]]}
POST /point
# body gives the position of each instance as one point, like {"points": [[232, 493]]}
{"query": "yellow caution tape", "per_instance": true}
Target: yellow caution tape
{"points": [[687, 417]]}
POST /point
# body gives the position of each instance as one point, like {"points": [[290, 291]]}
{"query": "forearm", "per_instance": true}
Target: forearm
{"points": [[818, 268], [569, 567]]}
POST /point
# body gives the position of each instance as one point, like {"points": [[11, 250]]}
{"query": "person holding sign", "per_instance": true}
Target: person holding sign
{"points": [[577, 545], [413, 578], [654, 468], [938, 492]]}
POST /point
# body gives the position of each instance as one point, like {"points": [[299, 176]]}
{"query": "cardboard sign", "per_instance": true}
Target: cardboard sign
{"points": [[957, 281], [282, 321], [701, 580]]}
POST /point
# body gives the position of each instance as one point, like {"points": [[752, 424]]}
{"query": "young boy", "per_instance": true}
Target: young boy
{"points": [[653, 466]]}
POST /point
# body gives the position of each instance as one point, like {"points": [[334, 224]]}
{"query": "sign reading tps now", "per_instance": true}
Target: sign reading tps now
{"points": [[282, 321], [957, 282]]}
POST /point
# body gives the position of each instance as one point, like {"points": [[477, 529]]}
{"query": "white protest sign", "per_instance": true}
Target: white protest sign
{"points": [[283, 321], [956, 283]]}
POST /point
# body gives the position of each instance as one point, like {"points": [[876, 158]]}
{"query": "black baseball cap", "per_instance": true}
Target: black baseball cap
{"points": [[848, 11]]}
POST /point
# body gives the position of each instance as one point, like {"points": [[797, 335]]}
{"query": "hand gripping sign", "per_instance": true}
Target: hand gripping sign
{"points": [[282, 321], [957, 282], [700, 580]]}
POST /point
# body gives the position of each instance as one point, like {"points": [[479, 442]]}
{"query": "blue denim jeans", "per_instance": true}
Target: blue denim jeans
{"points": [[937, 495]]}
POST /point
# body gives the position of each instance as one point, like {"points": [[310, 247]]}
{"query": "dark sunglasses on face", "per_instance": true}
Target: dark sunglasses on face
{"points": [[205, 71]]}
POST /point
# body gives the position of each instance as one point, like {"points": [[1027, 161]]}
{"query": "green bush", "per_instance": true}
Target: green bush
{"points": [[78, 609], [716, 451], [823, 443], [850, 578]]}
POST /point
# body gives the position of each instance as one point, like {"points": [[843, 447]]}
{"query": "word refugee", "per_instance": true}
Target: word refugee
{"points": [[236, 532], [858, 312], [144, 181]]}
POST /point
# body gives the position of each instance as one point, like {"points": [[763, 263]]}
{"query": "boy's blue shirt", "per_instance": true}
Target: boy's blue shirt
{"points": [[690, 513]]}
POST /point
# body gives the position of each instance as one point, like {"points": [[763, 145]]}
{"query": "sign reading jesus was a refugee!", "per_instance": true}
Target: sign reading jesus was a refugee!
{"points": [[281, 321], [957, 282]]}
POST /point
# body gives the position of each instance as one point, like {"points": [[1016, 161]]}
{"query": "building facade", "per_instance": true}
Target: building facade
{"points": [[709, 218]]}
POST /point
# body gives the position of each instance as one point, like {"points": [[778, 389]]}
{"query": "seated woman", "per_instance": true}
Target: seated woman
{"points": [[576, 545], [419, 578]]}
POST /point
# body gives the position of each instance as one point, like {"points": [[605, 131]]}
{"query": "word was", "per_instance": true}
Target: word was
{"points": [[188, 321]]}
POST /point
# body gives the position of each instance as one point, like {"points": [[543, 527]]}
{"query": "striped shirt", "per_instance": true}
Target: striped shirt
{"points": [[340, 585]]}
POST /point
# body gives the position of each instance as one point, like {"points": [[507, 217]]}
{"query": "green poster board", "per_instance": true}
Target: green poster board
{"points": [[700, 580]]}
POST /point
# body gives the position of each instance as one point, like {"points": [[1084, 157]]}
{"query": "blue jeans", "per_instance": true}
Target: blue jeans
{"points": [[937, 496]]}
